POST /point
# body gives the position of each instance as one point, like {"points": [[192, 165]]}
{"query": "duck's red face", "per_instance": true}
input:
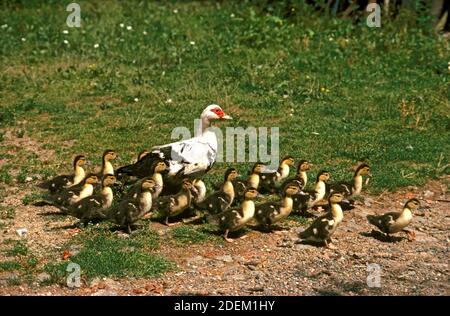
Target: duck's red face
{"points": [[218, 111]]}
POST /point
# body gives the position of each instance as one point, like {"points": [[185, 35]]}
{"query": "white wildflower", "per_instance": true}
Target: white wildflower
{"points": [[145, 32], [192, 42], [96, 45], [121, 25], [136, 99], [169, 101], [129, 27], [65, 32], [23, 39], [232, 15], [66, 42], [175, 11]]}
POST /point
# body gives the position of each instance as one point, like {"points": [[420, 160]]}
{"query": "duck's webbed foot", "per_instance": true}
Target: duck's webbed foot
{"points": [[411, 234]]}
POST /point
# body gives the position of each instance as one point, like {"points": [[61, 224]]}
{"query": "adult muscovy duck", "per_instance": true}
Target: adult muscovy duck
{"points": [[185, 158]]}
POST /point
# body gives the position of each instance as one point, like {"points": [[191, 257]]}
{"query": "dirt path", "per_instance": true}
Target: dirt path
{"points": [[273, 264]]}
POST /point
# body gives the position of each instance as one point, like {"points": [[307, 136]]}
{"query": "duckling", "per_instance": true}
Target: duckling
{"points": [[173, 205], [353, 187], [107, 167], [239, 191], [94, 207], [75, 193], [63, 181], [220, 200], [235, 219], [324, 226], [156, 170], [301, 176], [199, 192], [309, 198], [134, 207], [254, 178], [269, 213], [394, 222], [269, 179], [142, 154]]}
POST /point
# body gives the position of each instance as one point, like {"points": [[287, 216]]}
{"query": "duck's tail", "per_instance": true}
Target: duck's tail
{"points": [[372, 220]]}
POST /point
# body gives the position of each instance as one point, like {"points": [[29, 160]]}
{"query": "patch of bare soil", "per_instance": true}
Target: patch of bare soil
{"points": [[274, 263]]}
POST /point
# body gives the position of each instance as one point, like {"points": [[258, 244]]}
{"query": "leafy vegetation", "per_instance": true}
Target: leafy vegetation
{"points": [[338, 90], [130, 74]]}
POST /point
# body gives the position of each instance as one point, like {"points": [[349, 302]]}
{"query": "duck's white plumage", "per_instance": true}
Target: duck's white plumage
{"points": [[186, 157]]}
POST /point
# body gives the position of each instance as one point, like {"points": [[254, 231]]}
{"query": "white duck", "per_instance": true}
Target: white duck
{"points": [[189, 157]]}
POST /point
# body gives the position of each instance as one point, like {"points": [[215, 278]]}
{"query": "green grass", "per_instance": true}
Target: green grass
{"points": [[354, 92], [10, 266], [105, 254], [186, 234], [342, 80], [19, 248]]}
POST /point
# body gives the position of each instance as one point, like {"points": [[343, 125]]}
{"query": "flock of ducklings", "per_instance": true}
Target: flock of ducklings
{"points": [[231, 207]]}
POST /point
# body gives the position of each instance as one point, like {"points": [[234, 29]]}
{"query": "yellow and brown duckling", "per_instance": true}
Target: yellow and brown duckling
{"points": [[323, 227], [173, 205], [355, 186], [220, 200], [63, 181], [309, 198], [235, 219], [254, 179], [270, 179], [135, 206], [394, 222], [269, 213], [107, 167], [301, 176], [75, 193], [94, 207]]}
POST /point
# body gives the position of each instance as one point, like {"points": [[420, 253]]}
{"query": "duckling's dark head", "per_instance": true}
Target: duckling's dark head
{"points": [[292, 188], [79, 161], [109, 155], [258, 167], [412, 204], [288, 160], [148, 184], [108, 180], [251, 194], [336, 197], [231, 174], [91, 179], [303, 165], [142, 154], [362, 170], [187, 184], [323, 176]]}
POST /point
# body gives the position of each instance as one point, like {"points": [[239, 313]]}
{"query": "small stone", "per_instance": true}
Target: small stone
{"points": [[105, 293], [28, 179], [428, 194], [42, 277], [21, 231], [225, 258], [368, 202]]}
